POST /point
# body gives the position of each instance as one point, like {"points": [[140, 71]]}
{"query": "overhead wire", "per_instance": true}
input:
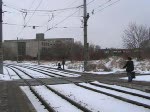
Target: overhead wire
{"points": [[25, 12], [94, 13], [8, 6], [104, 4], [62, 10], [60, 21], [90, 2], [48, 11], [32, 3], [72, 3], [29, 18], [108, 6], [14, 24], [66, 18], [113, 3], [53, 27], [54, 10]]}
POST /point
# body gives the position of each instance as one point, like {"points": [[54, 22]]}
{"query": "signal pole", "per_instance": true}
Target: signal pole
{"points": [[1, 48], [149, 33], [17, 51], [86, 16], [39, 52]]}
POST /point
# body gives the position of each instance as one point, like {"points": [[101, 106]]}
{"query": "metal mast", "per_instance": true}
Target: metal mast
{"points": [[39, 52], [17, 51], [86, 16], [1, 39]]}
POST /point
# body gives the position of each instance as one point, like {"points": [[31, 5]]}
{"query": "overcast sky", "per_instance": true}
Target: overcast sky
{"points": [[105, 28]]}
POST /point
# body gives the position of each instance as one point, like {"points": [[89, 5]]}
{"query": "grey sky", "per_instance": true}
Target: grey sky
{"points": [[105, 28]]}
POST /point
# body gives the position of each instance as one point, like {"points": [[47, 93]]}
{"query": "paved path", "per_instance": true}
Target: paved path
{"points": [[12, 99]]}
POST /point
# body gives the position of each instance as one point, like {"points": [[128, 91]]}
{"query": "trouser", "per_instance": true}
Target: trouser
{"points": [[129, 76]]}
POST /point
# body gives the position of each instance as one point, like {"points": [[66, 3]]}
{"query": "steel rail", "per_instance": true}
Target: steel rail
{"points": [[59, 94], [46, 105]]}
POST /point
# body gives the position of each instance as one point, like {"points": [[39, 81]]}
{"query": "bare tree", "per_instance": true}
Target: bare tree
{"points": [[134, 36]]}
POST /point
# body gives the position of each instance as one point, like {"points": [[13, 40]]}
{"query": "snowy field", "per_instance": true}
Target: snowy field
{"points": [[28, 68], [108, 66], [93, 101], [145, 78]]}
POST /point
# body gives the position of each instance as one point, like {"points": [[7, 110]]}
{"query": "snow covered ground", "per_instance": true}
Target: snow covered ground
{"points": [[140, 78], [93, 101], [108, 66], [96, 102], [112, 64]]}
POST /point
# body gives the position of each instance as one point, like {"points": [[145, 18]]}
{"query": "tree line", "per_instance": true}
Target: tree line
{"points": [[137, 38], [71, 51]]}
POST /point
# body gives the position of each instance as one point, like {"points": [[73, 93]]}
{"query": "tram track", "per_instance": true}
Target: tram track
{"points": [[43, 71], [49, 88], [112, 80], [46, 105], [55, 70], [50, 69], [114, 96]]}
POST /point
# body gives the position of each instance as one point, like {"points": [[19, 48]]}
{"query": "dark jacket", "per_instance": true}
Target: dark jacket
{"points": [[129, 66], [63, 62]]}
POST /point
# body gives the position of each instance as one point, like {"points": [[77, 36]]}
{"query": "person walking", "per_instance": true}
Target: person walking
{"points": [[63, 63], [129, 68]]}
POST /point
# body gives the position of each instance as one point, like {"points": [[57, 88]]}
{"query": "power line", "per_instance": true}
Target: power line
{"points": [[108, 6], [60, 21], [14, 24], [30, 11], [42, 14], [32, 26], [103, 4], [113, 3], [65, 27], [90, 2], [29, 18], [27, 12], [32, 3], [17, 9], [56, 10], [33, 12], [72, 3]]}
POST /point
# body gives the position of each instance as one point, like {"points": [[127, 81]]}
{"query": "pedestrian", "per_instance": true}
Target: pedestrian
{"points": [[63, 63], [129, 68], [59, 66]]}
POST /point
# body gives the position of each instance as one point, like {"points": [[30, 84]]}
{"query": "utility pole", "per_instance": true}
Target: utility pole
{"points": [[149, 33], [1, 39], [17, 51], [39, 51], [86, 16]]}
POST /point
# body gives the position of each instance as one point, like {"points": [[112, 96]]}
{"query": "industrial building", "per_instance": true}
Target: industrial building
{"points": [[30, 47]]}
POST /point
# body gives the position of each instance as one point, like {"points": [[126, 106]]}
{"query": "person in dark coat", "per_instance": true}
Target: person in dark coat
{"points": [[59, 66], [63, 63], [129, 68]]}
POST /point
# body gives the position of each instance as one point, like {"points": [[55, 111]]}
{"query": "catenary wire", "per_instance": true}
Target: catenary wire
{"points": [[60, 21], [13, 24], [107, 6], [29, 18]]}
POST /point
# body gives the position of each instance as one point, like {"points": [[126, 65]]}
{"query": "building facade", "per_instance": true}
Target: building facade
{"points": [[30, 47]]}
